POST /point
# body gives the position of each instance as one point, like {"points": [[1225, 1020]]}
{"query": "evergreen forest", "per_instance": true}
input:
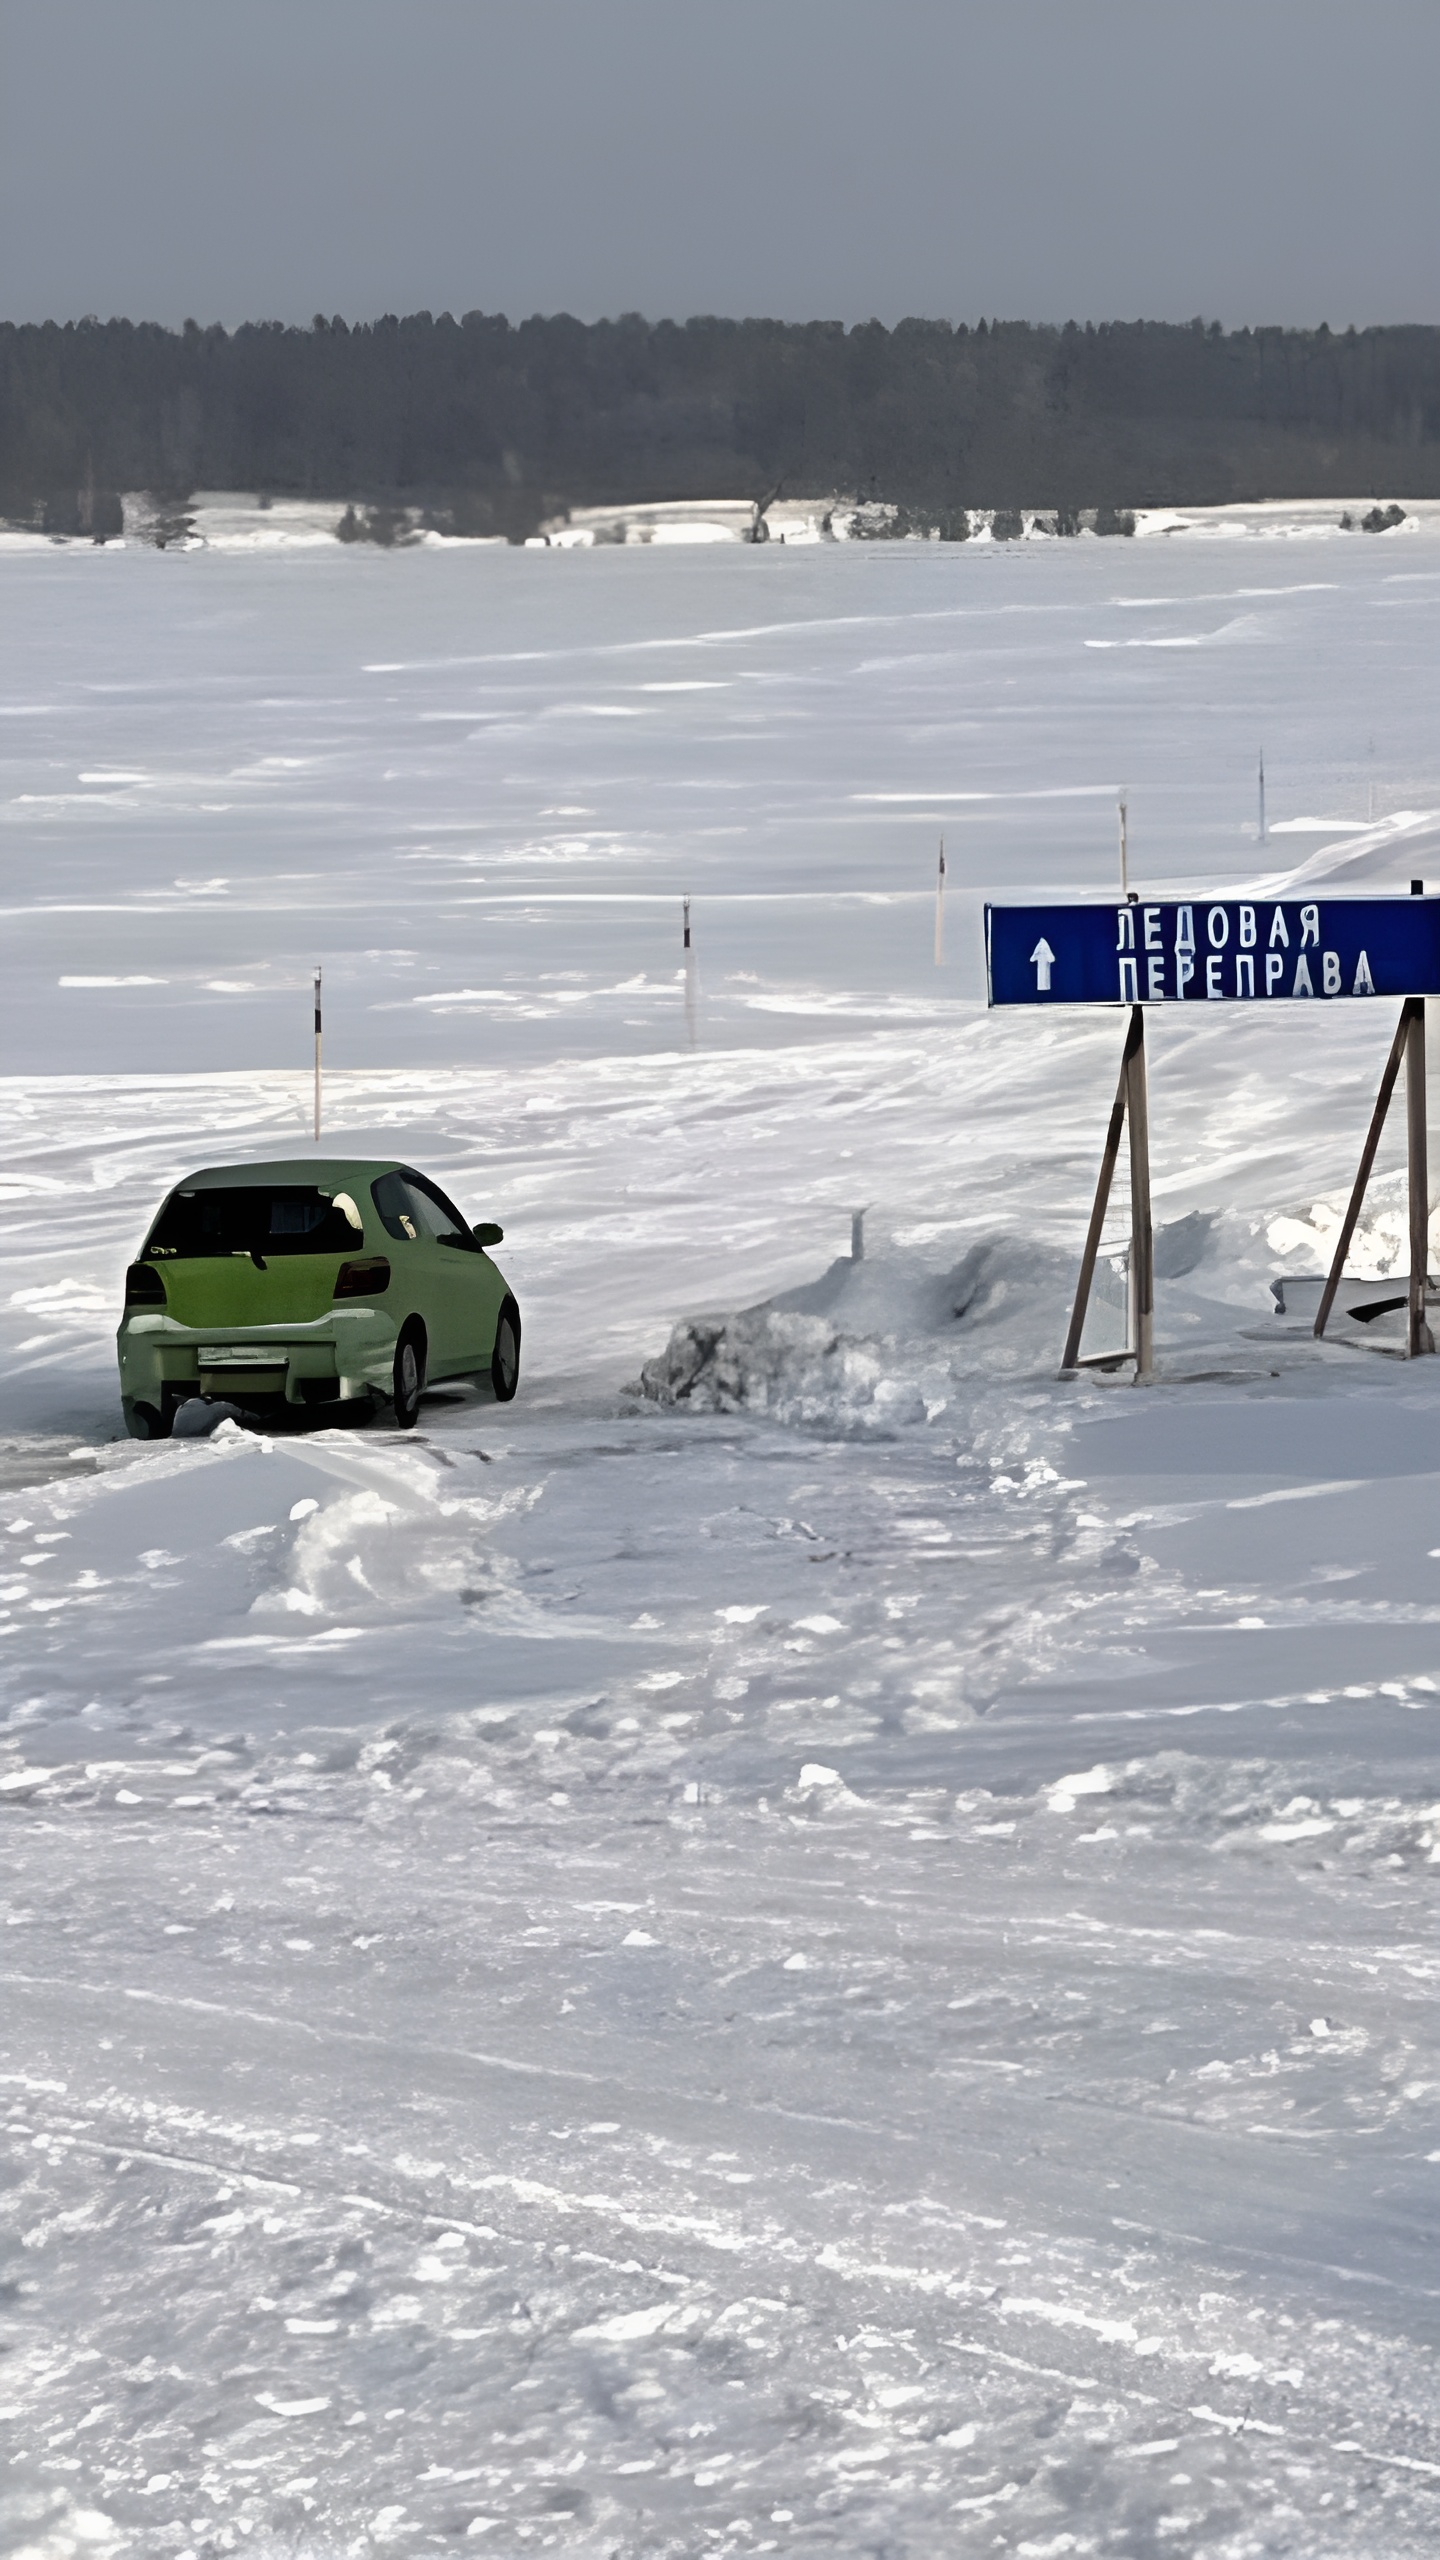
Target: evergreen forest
{"points": [[487, 427]]}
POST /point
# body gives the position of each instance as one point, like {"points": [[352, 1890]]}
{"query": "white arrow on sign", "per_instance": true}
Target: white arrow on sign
{"points": [[1043, 959]]}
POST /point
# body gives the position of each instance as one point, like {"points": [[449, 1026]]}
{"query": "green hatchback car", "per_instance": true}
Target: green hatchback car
{"points": [[311, 1284]]}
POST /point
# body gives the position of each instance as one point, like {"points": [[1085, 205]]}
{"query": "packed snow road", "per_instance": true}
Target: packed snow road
{"points": [[836, 1956]]}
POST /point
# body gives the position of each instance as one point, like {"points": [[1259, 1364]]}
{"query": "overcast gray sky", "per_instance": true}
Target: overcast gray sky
{"points": [[1250, 160]]}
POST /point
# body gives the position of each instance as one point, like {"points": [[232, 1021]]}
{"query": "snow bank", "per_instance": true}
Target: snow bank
{"points": [[870, 1345], [240, 521], [891, 1340]]}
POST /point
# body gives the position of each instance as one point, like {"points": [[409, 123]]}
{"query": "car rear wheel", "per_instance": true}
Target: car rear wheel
{"points": [[409, 1375], [505, 1359], [147, 1422]]}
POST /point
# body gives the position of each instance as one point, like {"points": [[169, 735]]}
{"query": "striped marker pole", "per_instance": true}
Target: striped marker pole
{"points": [[691, 990], [939, 913], [317, 1053]]}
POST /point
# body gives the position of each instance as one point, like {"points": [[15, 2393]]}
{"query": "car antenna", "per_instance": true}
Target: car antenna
{"points": [[317, 1053]]}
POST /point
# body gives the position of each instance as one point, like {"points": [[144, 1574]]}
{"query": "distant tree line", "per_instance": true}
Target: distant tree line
{"points": [[491, 428]]}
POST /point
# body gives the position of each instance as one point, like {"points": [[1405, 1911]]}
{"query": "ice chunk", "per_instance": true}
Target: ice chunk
{"points": [[625, 2325], [1065, 1792]]}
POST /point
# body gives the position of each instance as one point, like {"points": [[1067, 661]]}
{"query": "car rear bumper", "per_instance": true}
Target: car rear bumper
{"points": [[347, 1354]]}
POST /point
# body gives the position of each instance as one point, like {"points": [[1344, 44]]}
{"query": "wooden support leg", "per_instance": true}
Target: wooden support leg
{"points": [[1398, 1050], [1418, 1337], [1134, 1039], [1142, 1241]]}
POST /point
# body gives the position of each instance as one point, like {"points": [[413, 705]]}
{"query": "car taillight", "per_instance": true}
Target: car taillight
{"points": [[144, 1286], [368, 1279]]}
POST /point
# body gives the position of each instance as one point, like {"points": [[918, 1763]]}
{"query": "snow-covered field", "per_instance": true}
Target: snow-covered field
{"points": [[838, 1957]]}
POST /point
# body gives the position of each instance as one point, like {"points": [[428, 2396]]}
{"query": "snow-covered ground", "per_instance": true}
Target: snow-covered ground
{"points": [[837, 1956]]}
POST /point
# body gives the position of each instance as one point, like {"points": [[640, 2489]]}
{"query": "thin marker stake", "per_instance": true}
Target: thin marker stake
{"points": [[1124, 848], [691, 991], [317, 1053], [939, 914]]}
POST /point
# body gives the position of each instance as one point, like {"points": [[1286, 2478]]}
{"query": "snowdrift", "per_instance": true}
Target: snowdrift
{"points": [[870, 1345], [885, 1342]]}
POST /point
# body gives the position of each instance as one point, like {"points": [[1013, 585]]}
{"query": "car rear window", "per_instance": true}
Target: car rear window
{"points": [[264, 1218]]}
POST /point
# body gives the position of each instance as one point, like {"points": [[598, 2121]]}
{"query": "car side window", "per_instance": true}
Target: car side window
{"points": [[398, 1212], [439, 1216]]}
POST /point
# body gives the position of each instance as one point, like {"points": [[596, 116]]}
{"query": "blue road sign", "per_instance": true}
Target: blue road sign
{"points": [[1200, 950]]}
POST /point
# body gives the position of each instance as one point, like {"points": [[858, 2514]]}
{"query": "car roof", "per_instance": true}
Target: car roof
{"points": [[332, 1173]]}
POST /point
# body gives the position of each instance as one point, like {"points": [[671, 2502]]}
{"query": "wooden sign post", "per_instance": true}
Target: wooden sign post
{"points": [[1408, 1046], [1132, 1105]]}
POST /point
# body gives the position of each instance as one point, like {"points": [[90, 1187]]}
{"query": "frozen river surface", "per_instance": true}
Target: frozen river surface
{"points": [[843, 1965]]}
